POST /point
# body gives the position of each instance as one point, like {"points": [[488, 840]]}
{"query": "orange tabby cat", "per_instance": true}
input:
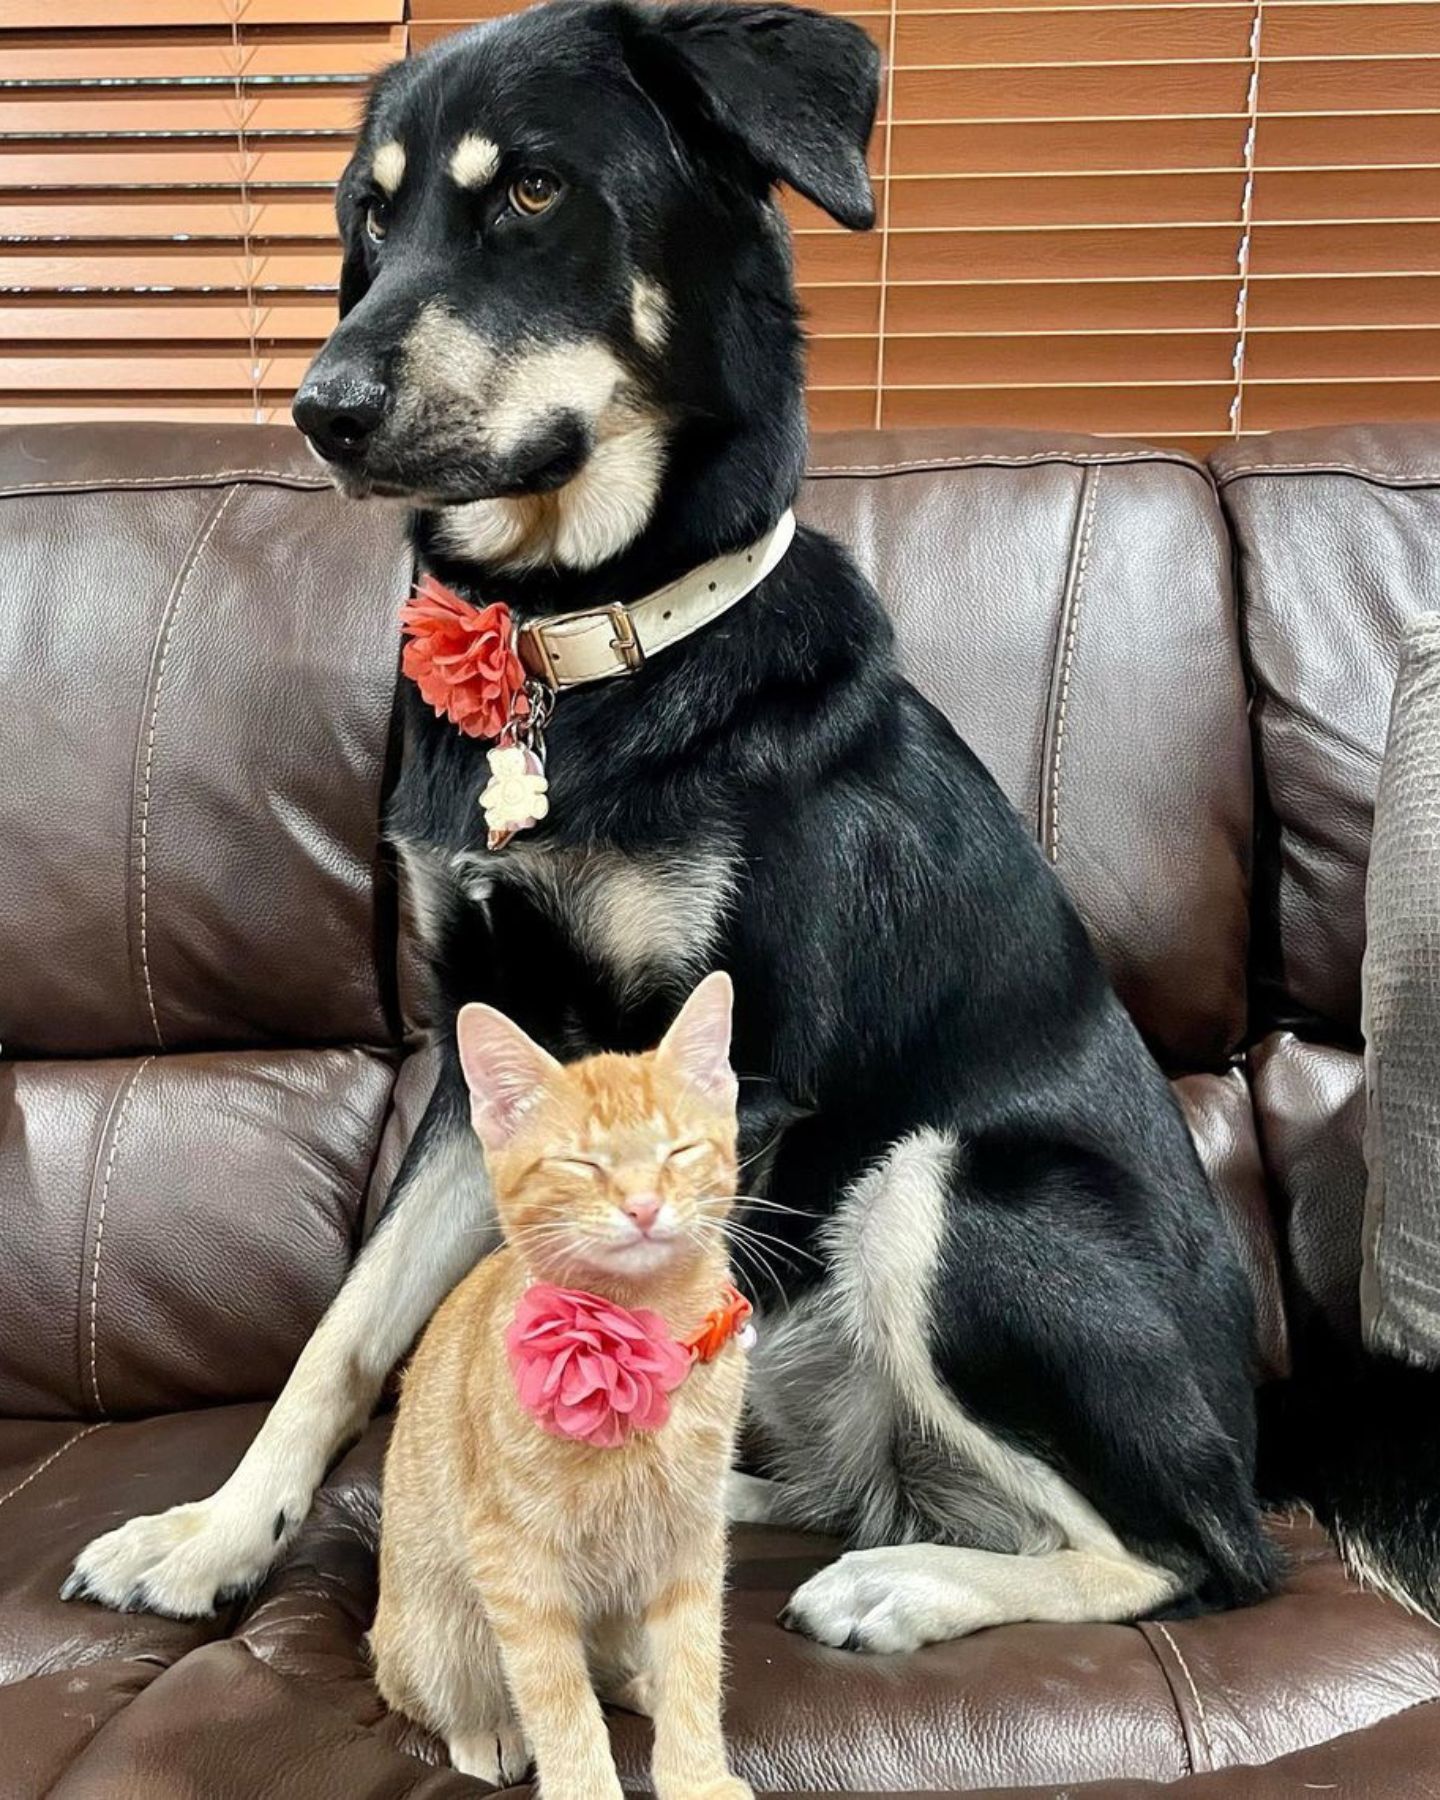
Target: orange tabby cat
{"points": [[523, 1566]]}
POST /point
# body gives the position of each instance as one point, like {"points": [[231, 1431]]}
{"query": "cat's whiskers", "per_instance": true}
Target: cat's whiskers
{"points": [[767, 1205], [750, 1234], [754, 1248]]}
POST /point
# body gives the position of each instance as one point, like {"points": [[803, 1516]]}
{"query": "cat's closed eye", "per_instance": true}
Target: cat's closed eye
{"points": [[688, 1153], [572, 1165]]}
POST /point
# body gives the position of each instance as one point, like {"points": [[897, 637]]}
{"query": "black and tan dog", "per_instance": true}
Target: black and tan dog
{"points": [[1011, 1357]]}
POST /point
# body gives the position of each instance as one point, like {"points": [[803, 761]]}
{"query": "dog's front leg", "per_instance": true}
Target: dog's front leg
{"points": [[439, 1220]]}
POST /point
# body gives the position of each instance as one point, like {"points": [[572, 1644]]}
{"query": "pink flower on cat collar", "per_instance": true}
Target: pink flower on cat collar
{"points": [[589, 1369]]}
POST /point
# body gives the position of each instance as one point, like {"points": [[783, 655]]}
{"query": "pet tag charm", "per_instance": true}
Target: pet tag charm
{"points": [[516, 795]]}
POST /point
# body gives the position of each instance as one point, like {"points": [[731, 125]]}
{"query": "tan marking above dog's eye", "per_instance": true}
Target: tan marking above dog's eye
{"points": [[377, 221], [387, 169], [534, 192]]}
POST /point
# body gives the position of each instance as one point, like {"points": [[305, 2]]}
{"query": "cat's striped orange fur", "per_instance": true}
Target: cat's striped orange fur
{"points": [[520, 1572]]}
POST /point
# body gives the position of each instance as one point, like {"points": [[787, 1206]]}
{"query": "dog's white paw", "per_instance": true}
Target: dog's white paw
{"points": [[497, 1754], [882, 1601], [183, 1563]]}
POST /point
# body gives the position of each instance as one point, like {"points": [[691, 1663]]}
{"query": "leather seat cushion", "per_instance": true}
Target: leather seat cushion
{"points": [[67, 1669], [287, 1706]]}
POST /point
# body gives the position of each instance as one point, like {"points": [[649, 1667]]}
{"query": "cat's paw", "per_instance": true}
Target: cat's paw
{"points": [[497, 1754], [183, 1563]]}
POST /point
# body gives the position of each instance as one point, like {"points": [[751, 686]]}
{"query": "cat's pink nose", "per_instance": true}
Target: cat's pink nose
{"points": [[644, 1209]]}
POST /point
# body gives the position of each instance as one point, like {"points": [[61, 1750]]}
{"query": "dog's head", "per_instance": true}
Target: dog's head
{"points": [[561, 250]]}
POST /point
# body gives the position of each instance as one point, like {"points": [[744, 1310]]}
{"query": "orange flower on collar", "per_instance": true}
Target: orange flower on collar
{"points": [[730, 1319], [462, 658]]}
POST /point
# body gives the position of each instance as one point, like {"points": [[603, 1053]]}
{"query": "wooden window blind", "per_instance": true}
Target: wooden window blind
{"points": [[1166, 218], [166, 229]]}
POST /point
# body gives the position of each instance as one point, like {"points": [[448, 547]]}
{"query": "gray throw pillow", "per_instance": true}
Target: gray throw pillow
{"points": [[1400, 1281]]}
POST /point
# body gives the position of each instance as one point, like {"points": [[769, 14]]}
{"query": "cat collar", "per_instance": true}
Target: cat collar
{"points": [[588, 1368]]}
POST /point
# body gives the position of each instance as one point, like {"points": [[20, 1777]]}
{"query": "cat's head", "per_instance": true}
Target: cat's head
{"points": [[617, 1166]]}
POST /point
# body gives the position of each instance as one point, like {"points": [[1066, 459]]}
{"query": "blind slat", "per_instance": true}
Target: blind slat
{"points": [[123, 164], [1201, 199], [157, 112], [163, 320], [1132, 412], [924, 40], [185, 266], [100, 15], [970, 147], [1058, 360], [1344, 300], [173, 56], [1116, 306], [179, 215], [1165, 90], [165, 372]]}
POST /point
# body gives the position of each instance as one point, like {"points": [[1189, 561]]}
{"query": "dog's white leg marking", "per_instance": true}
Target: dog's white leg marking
{"points": [[912, 1594], [181, 1562], [879, 1403], [749, 1500]]}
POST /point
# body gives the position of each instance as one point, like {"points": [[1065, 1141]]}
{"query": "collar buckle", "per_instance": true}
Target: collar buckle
{"points": [[540, 655]]}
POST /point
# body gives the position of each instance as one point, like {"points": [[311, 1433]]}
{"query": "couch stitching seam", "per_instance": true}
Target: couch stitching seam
{"points": [[1091, 487], [209, 477], [120, 1118], [165, 639], [1421, 477], [54, 1456], [190, 478], [1083, 459], [1201, 1722]]}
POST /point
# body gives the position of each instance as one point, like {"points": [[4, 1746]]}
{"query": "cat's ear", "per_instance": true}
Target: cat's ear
{"points": [[697, 1045], [504, 1070]]}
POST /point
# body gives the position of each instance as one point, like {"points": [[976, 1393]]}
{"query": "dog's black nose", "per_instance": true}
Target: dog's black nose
{"points": [[339, 414]]}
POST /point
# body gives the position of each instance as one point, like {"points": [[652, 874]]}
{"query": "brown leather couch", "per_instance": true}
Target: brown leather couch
{"points": [[209, 1066]]}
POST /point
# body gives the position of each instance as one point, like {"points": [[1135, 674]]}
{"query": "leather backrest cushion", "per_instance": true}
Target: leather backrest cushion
{"points": [[172, 1227], [1336, 534], [198, 649], [1310, 1112], [1068, 604]]}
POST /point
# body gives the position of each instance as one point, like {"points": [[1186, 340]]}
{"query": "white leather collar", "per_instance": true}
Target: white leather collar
{"points": [[572, 649]]}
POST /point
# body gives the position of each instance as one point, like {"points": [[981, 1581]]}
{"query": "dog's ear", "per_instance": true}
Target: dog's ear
{"points": [[797, 89]]}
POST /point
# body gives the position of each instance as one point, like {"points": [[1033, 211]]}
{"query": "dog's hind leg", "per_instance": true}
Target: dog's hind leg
{"points": [[438, 1222], [902, 1596], [937, 1295]]}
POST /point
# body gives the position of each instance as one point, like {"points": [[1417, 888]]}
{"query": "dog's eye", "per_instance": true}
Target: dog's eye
{"points": [[377, 221], [534, 193]]}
